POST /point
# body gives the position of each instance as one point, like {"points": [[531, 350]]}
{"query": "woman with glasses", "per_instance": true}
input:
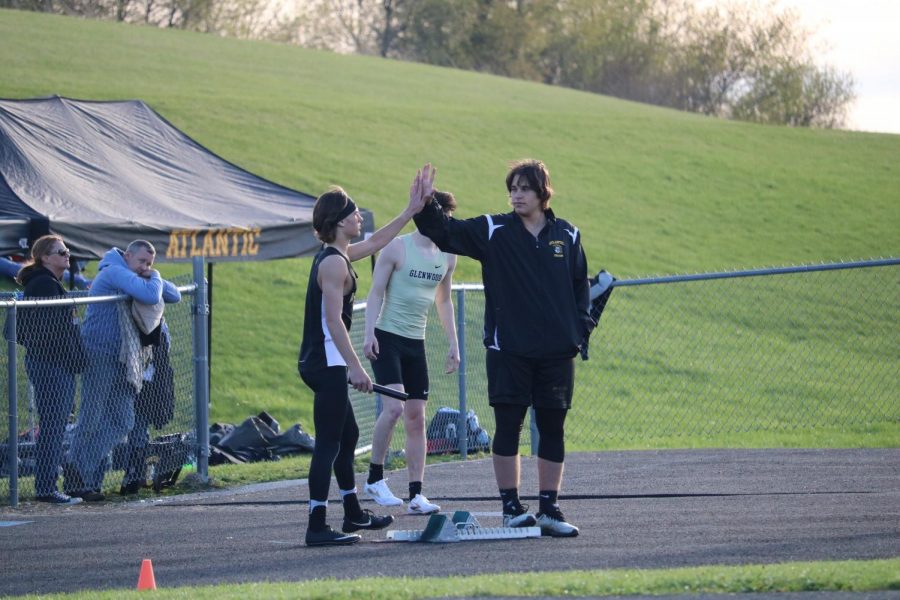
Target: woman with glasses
{"points": [[52, 358]]}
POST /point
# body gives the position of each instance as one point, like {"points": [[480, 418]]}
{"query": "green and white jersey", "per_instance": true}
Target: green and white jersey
{"points": [[410, 291]]}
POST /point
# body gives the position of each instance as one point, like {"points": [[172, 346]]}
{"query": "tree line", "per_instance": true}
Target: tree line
{"points": [[734, 60]]}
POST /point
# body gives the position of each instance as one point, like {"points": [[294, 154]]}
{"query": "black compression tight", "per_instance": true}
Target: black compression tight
{"points": [[336, 432], [550, 425]]}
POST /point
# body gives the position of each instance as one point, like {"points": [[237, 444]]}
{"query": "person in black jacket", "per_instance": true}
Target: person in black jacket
{"points": [[52, 356], [536, 319]]}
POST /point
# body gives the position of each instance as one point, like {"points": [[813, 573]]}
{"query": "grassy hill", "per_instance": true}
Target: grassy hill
{"points": [[653, 190]]}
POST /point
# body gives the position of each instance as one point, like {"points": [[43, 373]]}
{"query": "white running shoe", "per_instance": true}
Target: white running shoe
{"points": [[421, 506], [381, 493], [554, 524], [524, 519]]}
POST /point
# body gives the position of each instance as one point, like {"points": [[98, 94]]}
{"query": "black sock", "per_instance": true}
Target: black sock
{"points": [[548, 501], [317, 519], [376, 473], [352, 508], [415, 488], [511, 504]]}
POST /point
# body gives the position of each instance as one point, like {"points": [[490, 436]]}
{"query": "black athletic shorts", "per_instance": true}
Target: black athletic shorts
{"points": [[401, 360], [538, 382]]}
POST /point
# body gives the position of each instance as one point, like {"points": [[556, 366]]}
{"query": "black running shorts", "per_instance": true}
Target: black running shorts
{"points": [[538, 382], [401, 360]]}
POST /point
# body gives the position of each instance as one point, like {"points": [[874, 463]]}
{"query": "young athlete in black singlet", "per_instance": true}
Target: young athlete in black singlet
{"points": [[327, 360]]}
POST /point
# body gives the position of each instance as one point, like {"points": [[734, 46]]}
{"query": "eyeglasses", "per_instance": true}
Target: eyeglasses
{"points": [[63, 252]]}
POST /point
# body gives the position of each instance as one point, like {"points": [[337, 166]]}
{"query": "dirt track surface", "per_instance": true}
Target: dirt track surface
{"points": [[649, 509]]}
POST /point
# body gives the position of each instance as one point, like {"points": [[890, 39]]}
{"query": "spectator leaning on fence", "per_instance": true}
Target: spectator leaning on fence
{"points": [[153, 379], [53, 356], [106, 414], [535, 320], [410, 275]]}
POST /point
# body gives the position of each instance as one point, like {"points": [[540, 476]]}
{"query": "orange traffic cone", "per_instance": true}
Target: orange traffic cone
{"points": [[146, 580]]}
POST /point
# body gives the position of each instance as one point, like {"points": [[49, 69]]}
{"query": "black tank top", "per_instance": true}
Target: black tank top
{"points": [[317, 349]]}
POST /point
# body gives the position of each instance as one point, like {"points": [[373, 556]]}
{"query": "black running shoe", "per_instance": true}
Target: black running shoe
{"points": [[330, 537], [554, 524], [366, 520], [89, 495]]}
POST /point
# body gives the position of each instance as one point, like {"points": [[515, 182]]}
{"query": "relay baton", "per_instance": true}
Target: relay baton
{"points": [[386, 391]]}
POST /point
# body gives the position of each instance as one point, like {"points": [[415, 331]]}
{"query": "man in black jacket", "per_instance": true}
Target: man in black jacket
{"points": [[536, 318]]}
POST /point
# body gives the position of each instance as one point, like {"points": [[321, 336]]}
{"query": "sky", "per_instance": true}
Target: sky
{"points": [[862, 37]]}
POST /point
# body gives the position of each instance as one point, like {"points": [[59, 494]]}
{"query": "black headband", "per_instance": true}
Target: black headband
{"points": [[348, 210]]}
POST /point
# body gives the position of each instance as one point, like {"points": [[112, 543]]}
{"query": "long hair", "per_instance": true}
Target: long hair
{"points": [[537, 175], [39, 250]]}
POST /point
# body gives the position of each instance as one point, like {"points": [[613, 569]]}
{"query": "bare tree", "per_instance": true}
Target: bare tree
{"points": [[751, 62]]}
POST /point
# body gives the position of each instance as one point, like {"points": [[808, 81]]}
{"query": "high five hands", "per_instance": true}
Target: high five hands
{"points": [[421, 189]]}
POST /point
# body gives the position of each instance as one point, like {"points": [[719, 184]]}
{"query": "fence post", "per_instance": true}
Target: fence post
{"points": [[201, 370], [12, 386], [462, 427]]}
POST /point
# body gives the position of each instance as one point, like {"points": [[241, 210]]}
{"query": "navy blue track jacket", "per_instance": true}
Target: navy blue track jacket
{"points": [[536, 290]]}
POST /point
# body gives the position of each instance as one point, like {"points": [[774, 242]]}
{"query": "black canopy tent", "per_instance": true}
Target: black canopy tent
{"points": [[101, 174]]}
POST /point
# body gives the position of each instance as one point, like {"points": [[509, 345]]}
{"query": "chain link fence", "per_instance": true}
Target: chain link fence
{"points": [[713, 355], [96, 410], [797, 348]]}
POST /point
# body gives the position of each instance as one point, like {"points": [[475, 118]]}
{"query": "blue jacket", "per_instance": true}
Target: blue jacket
{"points": [[101, 322]]}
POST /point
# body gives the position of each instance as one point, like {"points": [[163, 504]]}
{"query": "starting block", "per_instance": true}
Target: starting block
{"points": [[462, 527]]}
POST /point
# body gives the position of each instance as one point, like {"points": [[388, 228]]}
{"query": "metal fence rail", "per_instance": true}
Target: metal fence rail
{"points": [[714, 354], [46, 385]]}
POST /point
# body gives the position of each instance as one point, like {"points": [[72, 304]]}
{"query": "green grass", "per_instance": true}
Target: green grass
{"points": [[653, 190], [843, 576], [755, 360]]}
